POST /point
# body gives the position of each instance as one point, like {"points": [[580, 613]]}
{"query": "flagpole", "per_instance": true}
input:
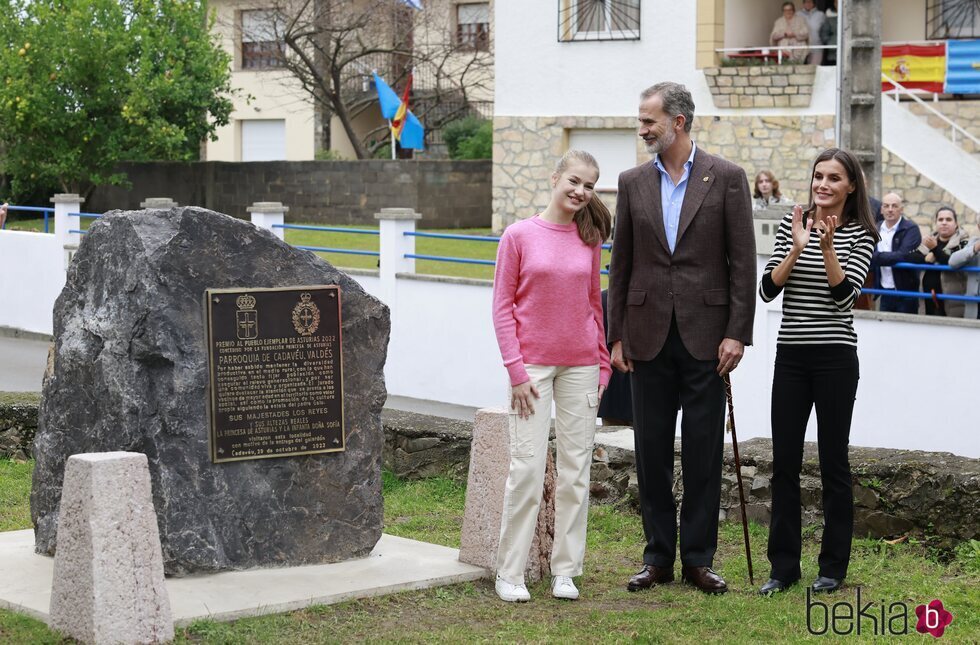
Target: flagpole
{"points": [[392, 131]]}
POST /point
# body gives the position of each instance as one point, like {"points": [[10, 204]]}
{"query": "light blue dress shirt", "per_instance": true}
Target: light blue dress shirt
{"points": [[672, 196]]}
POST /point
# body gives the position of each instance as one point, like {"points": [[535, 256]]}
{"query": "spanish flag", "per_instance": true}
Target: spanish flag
{"points": [[915, 67]]}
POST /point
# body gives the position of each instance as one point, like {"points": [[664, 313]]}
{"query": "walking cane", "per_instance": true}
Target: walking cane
{"points": [[738, 473]]}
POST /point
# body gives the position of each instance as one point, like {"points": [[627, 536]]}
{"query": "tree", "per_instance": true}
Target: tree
{"points": [[85, 84], [332, 46]]}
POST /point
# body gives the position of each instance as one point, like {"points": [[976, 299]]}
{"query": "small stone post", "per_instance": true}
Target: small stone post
{"points": [[269, 215], [108, 582], [394, 245], [489, 466], [65, 203], [163, 203]]}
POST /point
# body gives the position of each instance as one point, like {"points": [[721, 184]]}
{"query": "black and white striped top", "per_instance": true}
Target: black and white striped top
{"points": [[813, 313]]}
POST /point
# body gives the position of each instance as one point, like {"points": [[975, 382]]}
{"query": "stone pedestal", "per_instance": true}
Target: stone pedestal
{"points": [[489, 465], [108, 574]]}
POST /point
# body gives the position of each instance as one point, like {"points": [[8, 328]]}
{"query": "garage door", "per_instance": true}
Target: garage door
{"points": [[264, 140]]}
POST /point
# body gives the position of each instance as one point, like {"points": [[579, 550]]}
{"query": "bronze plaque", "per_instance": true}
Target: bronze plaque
{"points": [[276, 372]]}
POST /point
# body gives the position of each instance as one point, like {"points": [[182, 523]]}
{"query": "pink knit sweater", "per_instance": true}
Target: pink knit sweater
{"points": [[547, 303]]}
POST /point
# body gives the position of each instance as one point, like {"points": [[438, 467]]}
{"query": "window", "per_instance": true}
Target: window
{"points": [[262, 44], [598, 20], [473, 26], [953, 19]]}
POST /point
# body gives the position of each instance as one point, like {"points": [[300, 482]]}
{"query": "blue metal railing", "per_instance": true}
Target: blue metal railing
{"points": [[922, 295], [934, 267], [80, 217], [48, 212], [466, 238], [331, 229]]}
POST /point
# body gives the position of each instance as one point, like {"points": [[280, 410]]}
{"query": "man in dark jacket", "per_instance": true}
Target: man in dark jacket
{"points": [[899, 238]]}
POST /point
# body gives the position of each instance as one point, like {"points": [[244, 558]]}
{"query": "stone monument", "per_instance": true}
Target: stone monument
{"points": [[131, 373]]}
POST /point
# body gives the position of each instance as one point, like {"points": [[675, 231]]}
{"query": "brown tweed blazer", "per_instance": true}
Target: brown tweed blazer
{"points": [[708, 283]]}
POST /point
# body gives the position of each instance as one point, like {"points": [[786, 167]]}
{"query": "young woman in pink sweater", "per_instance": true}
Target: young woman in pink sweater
{"points": [[547, 314]]}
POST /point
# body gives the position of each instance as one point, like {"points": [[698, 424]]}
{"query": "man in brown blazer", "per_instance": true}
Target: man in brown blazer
{"points": [[681, 306]]}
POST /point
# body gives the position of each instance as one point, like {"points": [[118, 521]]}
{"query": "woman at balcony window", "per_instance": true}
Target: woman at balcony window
{"points": [[820, 267], [790, 30], [547, 315], [766, 194], [936, 248]]}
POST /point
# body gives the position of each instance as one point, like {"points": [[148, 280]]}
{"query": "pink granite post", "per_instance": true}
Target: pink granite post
{"points": [[489, 464], [108, 582]]}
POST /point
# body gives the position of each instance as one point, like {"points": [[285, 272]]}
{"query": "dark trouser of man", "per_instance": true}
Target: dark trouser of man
{"points": [[659, 385], [825, 376], [899, 305]]}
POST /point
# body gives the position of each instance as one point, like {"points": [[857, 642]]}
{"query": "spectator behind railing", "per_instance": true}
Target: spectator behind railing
{"points": [[899, 237], [814, 20], [969, 256], [790, 30], [936, 249], [765, 192], [3, 215], [828, 35]]}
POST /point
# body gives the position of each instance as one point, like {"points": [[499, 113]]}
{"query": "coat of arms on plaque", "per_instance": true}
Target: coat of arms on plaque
{"points": [[306, 315], [247, 318]]}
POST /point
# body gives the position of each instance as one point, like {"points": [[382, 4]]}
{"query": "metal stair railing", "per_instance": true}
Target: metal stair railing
{"points": [[954, 127]]}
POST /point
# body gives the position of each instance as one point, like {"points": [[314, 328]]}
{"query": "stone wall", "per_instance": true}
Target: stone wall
{"points": [[525, 150], [761, 86], [933, 495], [449, 194], [896, 492], [18, 424]]}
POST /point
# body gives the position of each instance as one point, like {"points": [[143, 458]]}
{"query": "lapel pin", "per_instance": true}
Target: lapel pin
{"points": [[705, 179]]}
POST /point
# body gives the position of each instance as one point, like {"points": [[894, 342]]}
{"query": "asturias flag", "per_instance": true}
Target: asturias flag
{"points": [[915, 67], [410, 133]]}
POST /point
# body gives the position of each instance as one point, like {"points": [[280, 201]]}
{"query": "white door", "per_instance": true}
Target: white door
{"points": [[264, 140], [615, 150]]}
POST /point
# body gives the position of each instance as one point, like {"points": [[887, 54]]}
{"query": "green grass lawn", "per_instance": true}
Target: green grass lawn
{"points": [[423, 246], [432, 510]]}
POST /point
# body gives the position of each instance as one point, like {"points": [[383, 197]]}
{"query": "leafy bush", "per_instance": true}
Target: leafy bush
{"points": [[478, 146], [329, 155], [469, 138]]}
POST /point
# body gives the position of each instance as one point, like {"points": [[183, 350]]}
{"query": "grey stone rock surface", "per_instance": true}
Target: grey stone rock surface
{"points": [[108, 584], [131, 373], [486, 483]]}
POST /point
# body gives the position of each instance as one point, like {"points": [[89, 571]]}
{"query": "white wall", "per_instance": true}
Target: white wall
{"points": [[606, 78], [443, 348], [32, 274]]}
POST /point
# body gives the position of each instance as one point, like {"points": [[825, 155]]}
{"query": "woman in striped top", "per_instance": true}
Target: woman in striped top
{"points": [[820, 261]]}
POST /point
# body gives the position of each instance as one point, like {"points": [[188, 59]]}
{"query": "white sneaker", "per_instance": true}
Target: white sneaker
{"points": [[509, 592], [563, 587]]}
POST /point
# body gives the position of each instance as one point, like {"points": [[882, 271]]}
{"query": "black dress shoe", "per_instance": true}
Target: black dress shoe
{"points": [[705, 579], [826, 585], [649, 576], [774, 586]]}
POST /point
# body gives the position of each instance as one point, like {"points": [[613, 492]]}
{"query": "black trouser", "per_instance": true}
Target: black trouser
{"points": [[825, 376], [675, 378]]}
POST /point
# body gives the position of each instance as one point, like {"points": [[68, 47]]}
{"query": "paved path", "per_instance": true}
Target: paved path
{"points": [[22, 364]]}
